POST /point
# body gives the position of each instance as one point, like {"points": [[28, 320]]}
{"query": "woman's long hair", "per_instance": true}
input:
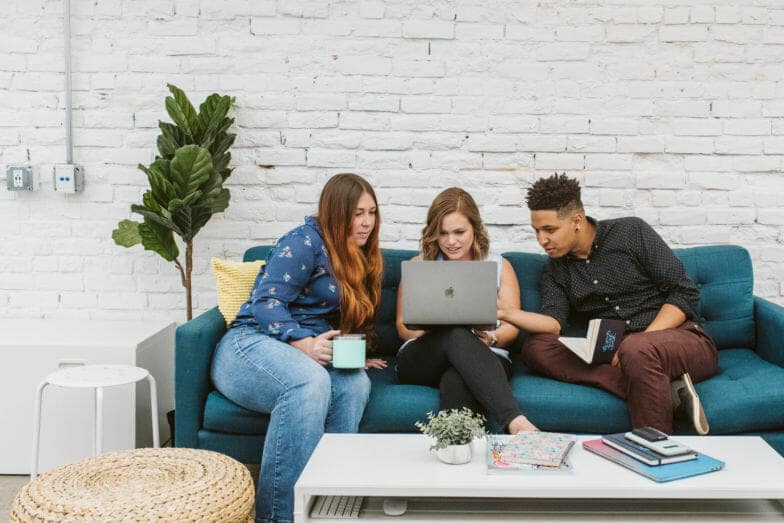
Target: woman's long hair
{"points": [[453, 199], [356, 269]]}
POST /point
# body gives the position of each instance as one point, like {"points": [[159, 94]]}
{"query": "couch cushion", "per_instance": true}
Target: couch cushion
{"points": [[549, 404], [747, 394], [388, 341], [528, 269], [723, 274], [393, 407], [557, 406], [743, 397], [233, 283], [223, 415], [257, 253]]}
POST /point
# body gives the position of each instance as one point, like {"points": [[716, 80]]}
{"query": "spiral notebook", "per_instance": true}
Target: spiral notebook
{"points": [[528, 451]]}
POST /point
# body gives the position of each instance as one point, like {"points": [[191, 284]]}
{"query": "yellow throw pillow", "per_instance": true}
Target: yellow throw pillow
{"points": [[234, 281]]}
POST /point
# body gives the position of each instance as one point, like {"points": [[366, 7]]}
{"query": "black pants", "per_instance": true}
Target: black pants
{"points": [[460, 365]]}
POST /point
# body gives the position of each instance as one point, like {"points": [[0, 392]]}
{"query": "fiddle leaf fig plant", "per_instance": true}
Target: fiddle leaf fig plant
{"points": [[453, 427], [186, 181]]}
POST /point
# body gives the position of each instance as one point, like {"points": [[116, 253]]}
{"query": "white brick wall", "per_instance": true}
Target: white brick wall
{"points": [[673, 111]]}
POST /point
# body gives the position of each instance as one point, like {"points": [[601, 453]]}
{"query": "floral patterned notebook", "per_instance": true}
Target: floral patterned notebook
{"points": [[529, 451]]}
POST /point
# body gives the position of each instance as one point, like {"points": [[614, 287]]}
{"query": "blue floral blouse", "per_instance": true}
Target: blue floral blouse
{"points": [[294, 295]]}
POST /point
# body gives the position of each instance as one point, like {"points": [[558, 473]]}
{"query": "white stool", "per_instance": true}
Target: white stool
{"points": [[94, 377]]}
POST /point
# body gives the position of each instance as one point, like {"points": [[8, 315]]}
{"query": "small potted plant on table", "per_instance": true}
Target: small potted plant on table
{"points": [[453, 431]]}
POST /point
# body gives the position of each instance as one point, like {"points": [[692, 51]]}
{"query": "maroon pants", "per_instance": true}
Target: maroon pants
{"points": [[649, 361]]}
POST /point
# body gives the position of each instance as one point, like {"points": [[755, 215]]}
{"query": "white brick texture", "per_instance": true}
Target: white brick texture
{"points": [[671, 111]]}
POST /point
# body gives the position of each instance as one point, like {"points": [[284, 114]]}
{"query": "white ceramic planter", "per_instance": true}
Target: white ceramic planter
{"points": [[455, 454]]}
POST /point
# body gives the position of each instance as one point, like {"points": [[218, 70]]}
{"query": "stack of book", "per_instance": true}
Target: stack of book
{"points": [[662, 460], [645, 454]]}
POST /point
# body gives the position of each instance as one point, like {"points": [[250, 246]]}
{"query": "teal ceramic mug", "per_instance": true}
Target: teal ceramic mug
{"points": [[348, 351]]}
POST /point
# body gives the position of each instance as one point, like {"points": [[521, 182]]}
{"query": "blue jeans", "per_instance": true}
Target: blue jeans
{"points": [[303, 398]]}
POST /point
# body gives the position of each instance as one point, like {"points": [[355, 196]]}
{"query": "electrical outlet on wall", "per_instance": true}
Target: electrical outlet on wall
{"points": [[21, 177], [68, 178]]}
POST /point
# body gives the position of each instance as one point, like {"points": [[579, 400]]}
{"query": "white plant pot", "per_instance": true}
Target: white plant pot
{"points": [[455, 454]]}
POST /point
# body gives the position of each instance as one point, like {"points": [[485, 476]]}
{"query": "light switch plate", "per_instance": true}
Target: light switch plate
{"points": [[68, 178]]}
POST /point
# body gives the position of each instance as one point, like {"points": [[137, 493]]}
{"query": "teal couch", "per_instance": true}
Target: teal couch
{"points": [[746, 397]]}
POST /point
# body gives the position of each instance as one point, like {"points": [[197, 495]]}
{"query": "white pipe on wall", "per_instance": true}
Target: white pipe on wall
{"points": [[68, 126]]}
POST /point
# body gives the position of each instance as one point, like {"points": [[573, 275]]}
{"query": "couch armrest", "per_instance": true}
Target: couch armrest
{"points": [[194, 343], [769, 320]]}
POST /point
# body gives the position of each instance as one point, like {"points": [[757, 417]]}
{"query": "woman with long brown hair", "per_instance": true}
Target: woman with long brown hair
{"points": [[471, 368], [321, 279]]}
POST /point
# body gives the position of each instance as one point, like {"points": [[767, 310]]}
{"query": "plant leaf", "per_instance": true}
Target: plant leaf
{"points": [[158, 239], [159, 176], [191, 167], [213, 184], [200, 215], [151, 205], [127, 233], [220, 202], [182, 112], [212, 114], [166, 146], [157, 218], [173, 138], [222, 143]]}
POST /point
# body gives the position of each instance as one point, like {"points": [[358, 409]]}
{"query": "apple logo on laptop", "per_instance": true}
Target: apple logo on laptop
{"points": [[449, 292]]}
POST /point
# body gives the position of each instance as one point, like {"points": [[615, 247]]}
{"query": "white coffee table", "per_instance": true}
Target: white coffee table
{"points": [[380, 466]]}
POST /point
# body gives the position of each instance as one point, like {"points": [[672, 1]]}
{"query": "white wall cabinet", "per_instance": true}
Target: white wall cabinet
{"points": [[31, 349]]}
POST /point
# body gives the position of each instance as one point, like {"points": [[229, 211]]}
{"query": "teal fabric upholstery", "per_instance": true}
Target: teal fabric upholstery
{"points": [[388, 341], [551, 405], [194, 344], [393, 406], [723, 276], [770, 327], [742, 397], [223, 415], [746, 397]]}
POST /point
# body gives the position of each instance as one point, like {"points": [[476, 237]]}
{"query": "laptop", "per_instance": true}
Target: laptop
{"points": [[449, 293]]}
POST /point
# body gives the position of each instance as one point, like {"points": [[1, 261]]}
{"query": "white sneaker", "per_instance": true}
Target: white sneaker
{"points": [[685, 395]]}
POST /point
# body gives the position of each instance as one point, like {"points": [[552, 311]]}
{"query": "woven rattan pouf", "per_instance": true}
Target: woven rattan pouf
{"points": [[165, 484]]}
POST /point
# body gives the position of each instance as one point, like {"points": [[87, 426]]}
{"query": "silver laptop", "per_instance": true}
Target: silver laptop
{"points": [[449, 293]]}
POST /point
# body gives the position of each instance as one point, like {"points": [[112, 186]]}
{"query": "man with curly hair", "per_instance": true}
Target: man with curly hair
{"points": [[617, 269]]}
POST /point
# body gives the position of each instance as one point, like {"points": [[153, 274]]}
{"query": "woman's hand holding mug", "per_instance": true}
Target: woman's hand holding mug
{"points": [[319, 347]]}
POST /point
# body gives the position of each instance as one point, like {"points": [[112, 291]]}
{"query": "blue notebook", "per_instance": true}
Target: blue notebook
{"points": [[660, 473]]}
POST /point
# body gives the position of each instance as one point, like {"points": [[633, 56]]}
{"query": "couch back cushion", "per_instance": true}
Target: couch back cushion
{"points": [[388, 341], [257, 253], [723, 274]]}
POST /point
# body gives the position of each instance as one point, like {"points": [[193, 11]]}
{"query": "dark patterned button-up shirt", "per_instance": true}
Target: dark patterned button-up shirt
{"points": [[630, 273], [295, 294]]}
